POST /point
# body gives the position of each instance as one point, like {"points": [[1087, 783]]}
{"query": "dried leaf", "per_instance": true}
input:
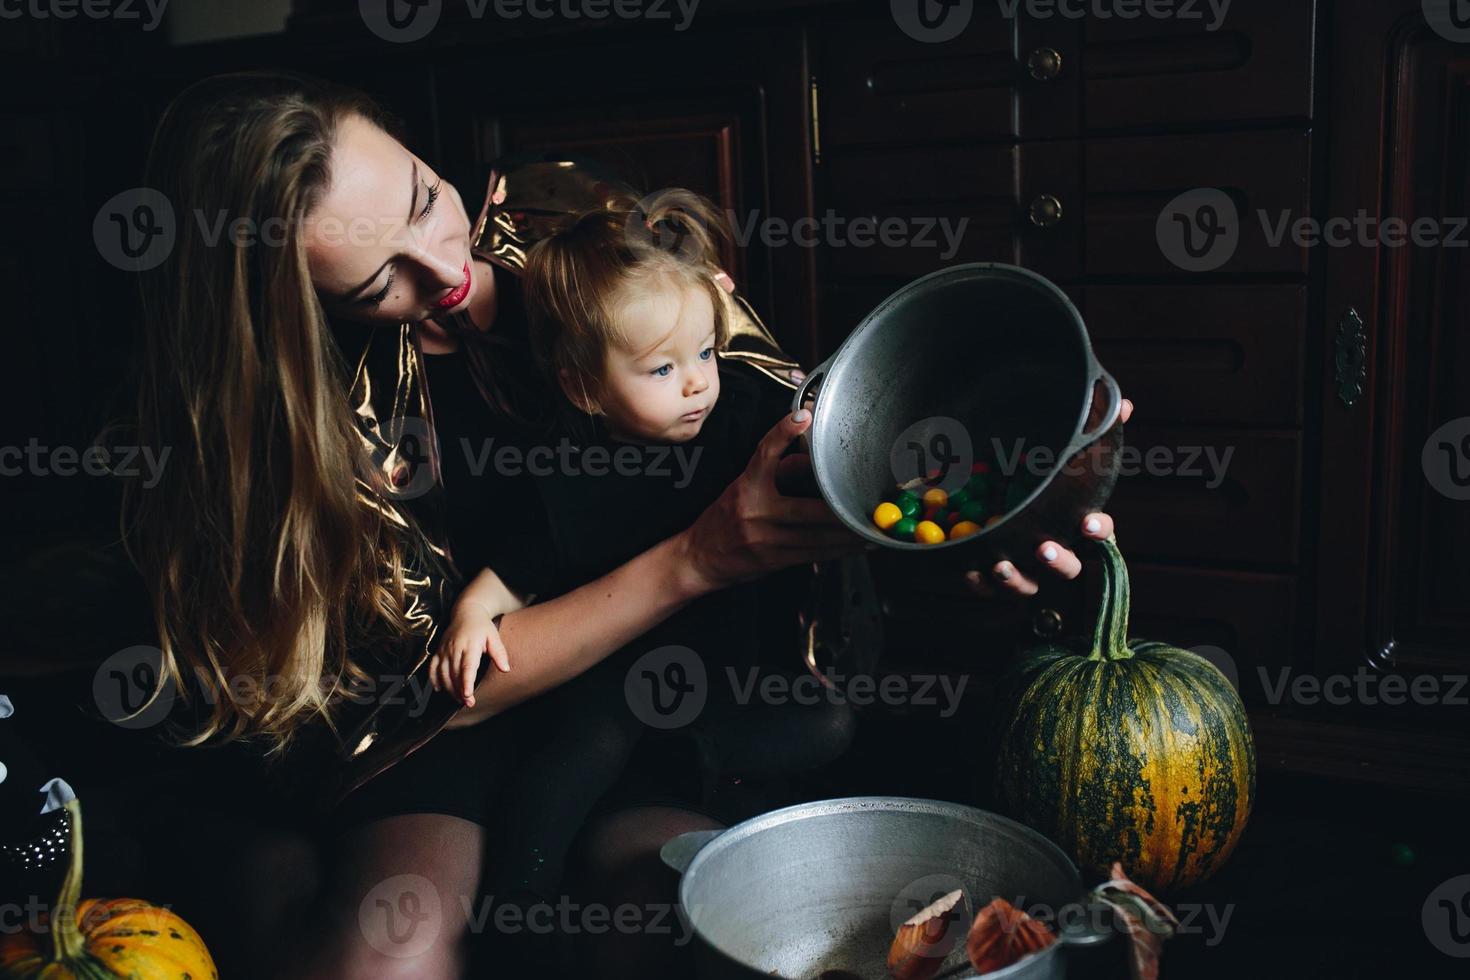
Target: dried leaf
{"points": [[1002, 934], [1147, 921], [922, 943]]}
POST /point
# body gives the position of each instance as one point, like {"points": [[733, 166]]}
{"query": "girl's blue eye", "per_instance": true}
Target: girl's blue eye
{"points": [[663, 372], [707, 353]]}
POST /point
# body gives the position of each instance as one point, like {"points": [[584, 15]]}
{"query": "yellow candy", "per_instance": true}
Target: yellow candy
{"points": [[935, 497], [887, 515], [962, 529], [928, 532]]}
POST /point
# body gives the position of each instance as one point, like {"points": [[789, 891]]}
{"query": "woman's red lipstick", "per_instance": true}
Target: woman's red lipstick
{"points": [[458, 295]]}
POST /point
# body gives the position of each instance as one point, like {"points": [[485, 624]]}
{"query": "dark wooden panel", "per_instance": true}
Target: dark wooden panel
{"points": [[1195, 494], [1205, 353], [1131, 181], [929, 190], [27, 153], [1051, 170], [1422, 520], [1151, 71], [1049, 107], [878, 85], [697, 151], [1251, 616]]}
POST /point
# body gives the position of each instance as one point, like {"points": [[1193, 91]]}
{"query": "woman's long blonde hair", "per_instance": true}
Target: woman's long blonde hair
{"points": [[264, 560]]}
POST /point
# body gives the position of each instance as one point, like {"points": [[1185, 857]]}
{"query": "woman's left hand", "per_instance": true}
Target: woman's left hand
{"points": [[1006, 578]]}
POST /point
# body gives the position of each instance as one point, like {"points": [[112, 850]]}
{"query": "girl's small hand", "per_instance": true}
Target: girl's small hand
{"points": [[1062, 561], [470, 636]]}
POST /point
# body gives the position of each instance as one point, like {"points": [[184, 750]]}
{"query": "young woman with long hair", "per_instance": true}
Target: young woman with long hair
{"points": [[282, 546]]}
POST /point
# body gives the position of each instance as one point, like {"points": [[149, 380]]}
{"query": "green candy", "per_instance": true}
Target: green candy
{"points": [[903, 529], [909, 504], [973, 510], [978, 486], [958, 499]]}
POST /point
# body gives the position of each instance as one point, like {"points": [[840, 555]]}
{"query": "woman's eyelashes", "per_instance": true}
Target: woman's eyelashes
{"points": [[433, 197], [434, 190], [377, 298]]}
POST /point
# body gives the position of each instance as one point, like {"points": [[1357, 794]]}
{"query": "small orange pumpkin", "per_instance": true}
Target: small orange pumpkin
{"points": [[104, 939]]}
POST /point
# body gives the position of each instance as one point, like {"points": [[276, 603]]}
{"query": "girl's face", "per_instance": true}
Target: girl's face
{"points": [[663, 384], [389, 241]]}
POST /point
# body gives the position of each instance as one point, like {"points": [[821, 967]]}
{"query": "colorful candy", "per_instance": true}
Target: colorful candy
{"points": [[929, 515]]}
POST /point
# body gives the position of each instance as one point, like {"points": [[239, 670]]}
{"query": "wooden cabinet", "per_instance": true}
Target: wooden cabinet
{"points": [[1395, 520]]}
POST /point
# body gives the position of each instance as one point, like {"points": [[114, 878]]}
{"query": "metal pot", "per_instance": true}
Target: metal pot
{"points": [[824, 886], [972, 362]]}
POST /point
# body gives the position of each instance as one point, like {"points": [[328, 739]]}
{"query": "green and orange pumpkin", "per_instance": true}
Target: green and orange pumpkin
{"points": [[103, 939], [1130, 751]]}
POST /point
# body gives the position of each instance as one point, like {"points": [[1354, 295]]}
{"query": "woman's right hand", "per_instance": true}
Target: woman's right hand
{"points": [[753, 529]]}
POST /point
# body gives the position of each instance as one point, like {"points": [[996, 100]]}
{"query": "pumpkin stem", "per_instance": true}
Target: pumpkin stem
{"points": [[1110, 635], [66, 936]]}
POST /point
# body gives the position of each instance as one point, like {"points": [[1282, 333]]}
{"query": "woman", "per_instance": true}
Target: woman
{"points": [[276, 551]]}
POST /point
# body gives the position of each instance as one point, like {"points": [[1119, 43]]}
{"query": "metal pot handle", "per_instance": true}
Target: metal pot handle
{"points": [[806, 385], [1110, 416], [679, 852]]}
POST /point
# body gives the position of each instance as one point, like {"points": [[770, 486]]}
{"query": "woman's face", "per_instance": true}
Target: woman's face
{"points": [[389, 241]]}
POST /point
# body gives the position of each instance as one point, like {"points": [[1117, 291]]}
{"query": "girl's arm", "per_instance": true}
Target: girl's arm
{"points": [[750, 531]]}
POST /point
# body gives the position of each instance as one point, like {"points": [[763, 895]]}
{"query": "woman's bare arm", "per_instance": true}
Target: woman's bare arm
{"points": [[750, 531]]}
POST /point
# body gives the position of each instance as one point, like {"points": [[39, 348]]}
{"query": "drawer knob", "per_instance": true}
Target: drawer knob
{"points": [[1044, 64], [1045, 211], [1047, 624]]}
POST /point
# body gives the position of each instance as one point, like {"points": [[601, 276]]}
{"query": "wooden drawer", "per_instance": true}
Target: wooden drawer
{"points": [[1152, 72], [1249, 615], [1182, 497], [928, 190], [878, 85], [1131, 181], [1203, 353]]}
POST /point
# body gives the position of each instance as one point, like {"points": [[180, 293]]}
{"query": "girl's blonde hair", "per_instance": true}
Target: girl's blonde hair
{"points": [[577, 278], [262, 544]]}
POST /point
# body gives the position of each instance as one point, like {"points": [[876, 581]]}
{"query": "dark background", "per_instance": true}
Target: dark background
{"points": [[1326, 551]]}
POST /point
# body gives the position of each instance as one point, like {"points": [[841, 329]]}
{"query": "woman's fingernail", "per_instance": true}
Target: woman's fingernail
{"points": [[800, 415], [1005, 571], [1049, 553], [1093, 525]]}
